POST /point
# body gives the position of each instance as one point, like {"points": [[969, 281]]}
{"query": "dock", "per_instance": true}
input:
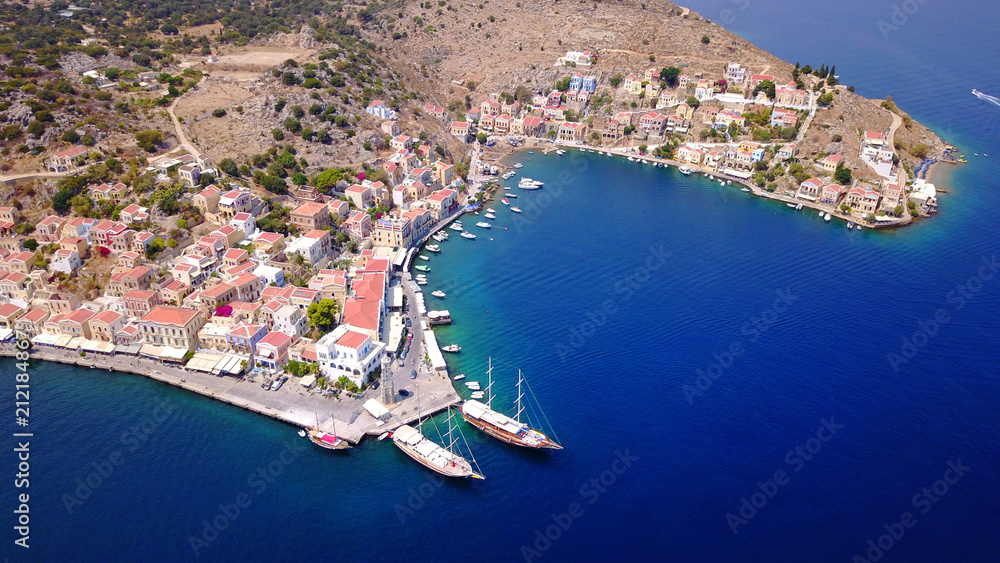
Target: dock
{"points": [[291, 404]]}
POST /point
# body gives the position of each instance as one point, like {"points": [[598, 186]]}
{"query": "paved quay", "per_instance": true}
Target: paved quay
{"points": [[292, 403]]}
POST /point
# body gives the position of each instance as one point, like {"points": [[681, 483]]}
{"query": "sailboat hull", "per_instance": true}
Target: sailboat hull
{"points": [[448, 464], [340, 444], [504, 436]]}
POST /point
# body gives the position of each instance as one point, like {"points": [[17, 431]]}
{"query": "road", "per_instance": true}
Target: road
{"points": [[178, 130]]}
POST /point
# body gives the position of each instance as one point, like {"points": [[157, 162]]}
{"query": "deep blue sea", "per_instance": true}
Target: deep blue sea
{"points": [[718, 367]]}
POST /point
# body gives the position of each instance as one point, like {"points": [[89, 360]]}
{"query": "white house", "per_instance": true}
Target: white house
{"points": [[66, 260], [270, 274], [348, 352], [380, 109], [290, 320]]}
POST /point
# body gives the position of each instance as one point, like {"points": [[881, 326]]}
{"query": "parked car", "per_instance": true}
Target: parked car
{"points": [[278, 383], [404, 392], [413, 374], [400, 363], [409, 322]]}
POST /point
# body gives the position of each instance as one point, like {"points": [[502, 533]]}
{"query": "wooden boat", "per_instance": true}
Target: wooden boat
{"points": [[502, 427]]}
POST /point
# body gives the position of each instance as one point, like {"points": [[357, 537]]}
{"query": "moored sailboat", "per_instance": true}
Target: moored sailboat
{"points": [[436, 457], [502, 427]]}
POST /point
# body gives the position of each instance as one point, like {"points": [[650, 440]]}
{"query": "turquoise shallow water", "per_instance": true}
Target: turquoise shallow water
{"points": [[613, 294]]}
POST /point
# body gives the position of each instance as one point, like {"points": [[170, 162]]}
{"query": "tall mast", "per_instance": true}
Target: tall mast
{"points": [[489, 392], [520, 408]]}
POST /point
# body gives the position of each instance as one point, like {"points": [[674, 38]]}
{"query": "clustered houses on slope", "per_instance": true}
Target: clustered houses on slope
{"points": [[225, 296]]}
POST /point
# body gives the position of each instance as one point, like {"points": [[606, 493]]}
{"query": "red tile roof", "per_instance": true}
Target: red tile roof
{"points": [[166, 315], [352, 339]]}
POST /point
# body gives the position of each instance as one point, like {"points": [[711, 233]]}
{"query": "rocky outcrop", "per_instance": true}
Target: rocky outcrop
{"points": [[307, 38]]}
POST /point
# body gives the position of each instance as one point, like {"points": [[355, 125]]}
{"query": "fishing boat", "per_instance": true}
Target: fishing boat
{"points": [[422, 257], [510, 194], [468, 235], [501, 426], [483, 225], [515, 209], [432, 248], [505, 201], [422, 268], [453, 348], [490, 216], [438, 458], [439, 293], [685, 170], [325, 439]]}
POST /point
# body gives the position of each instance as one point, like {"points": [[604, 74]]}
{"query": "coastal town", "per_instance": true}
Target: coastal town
{"points": [[281, 281]]}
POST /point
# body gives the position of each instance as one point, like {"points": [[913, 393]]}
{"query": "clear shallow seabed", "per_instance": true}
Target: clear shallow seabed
{"points": [[612, 294]]}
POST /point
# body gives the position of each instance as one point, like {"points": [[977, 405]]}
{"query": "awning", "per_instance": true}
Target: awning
{"points": [[132, 349], [168, 353], [229, 365], [6, 333], [97, 346], [45, 339], [376, 409], [308, 381], [204, 362]]}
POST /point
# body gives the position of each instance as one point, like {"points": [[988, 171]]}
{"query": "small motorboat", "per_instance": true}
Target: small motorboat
{"points": [[432, 248], [456, 227], [302, 433], [826, 217], [483, 225], [490, 216], [439, 293], [560, 152], [383, 436], [505, 201], [792, 205], [468, 235], [478, 394], [510, 194], [744, 189], [421, 282], [685, 170], [460, 377], [850, 225], [518, 165], [453, 348], [490, 210], [515, 209], [798, 207], [422, 257], [422, 268]]}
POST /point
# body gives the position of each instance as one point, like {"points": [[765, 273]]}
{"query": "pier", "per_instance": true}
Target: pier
{"points": [[291, 404]]}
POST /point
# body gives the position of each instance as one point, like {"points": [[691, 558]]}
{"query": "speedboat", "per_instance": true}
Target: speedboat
{"points": [[792, 205], [490, 216], [518, 165], [560, 152], [490, 210], [515, 209], [453, 348], [850, 225], [529, 184], [630, 159], [744, 189], [460, 377], [505, 201], [439, 293], [468, 235], [826, 217], [509, 194], [685, 170], [483, 224], [422, 268], [798, 207], [421, 281], [432, 248]]}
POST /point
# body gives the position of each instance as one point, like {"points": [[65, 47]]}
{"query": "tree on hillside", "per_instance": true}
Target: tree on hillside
{"points": [[148, 139], [670, 75], [843, 176]]}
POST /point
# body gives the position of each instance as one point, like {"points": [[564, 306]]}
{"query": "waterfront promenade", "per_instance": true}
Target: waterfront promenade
{"points": [[292, 403]]}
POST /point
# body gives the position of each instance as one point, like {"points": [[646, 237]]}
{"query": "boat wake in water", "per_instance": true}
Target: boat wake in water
{"points": [[992, 99]]}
